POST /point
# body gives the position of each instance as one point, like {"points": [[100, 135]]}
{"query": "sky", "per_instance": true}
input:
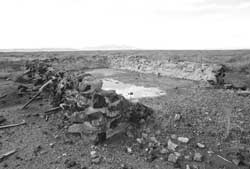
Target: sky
{"points": [[139, 24]]}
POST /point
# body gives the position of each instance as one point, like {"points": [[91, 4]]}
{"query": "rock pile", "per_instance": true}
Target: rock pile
{"points": [[91, 110]]}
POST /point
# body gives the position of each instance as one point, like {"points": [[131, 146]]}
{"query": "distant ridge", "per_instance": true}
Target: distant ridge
{"points": [[111, 47], [38, 50], [105, 47]]}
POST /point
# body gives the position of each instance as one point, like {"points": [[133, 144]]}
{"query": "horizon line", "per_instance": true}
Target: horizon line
{"points": [[132, 49]]}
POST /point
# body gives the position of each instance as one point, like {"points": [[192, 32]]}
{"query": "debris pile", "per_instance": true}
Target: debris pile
{"points": [[91, 110]]}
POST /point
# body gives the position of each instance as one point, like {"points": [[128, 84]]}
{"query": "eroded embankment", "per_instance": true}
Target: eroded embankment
{"points": [[212, 73]]}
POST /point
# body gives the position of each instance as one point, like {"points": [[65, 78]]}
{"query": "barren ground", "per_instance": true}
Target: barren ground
{"points": [[217, 118]]}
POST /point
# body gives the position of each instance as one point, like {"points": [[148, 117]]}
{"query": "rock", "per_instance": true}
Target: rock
{"points": [[99, 101], [75, 129], [93, 154], [69, 163], [158, 132], [163, 151], [238, 84], [173, 136], [52, 144], [244, 93], [172, 146], [195, 166], [124, 166], [139, 140], [188, 157], [178, 154], [129, 150], [201, 145], [183, 139], [153, 155], [177, 117], [37, 150], [173, 158], [228, 86], [153, 139], [144, 135], [236, 162], [2, 119], [130, 134], [198, 157], [96, 160]]}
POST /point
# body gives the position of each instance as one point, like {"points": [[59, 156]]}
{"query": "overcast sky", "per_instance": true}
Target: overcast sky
{"points": [[144, 24]]}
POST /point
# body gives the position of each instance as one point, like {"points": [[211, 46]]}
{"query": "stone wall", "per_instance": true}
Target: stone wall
{"points": [[212, 73]]}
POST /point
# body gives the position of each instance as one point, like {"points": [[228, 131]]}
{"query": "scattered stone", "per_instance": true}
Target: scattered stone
{"points": [[142, 121], [37, 150], [152, 156], [96, 160], [69, 163], [177, 117], [164, 151], [124, 166], [158, 132], [236, 162], [173, 136], [129, 134], [198, 157], [195, 166], [228, 86], [93, 154], [139, 140], [75, 129], [244, 93], [188, 167], [52, 145], [172, 146], [173, 158], [129, 150], [153, 139], [144, 135], [188, 157], [183, 139], [200, 145], [178, 154]]}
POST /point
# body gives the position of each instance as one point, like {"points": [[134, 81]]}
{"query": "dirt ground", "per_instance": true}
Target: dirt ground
{"points": [[217, 118]]}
